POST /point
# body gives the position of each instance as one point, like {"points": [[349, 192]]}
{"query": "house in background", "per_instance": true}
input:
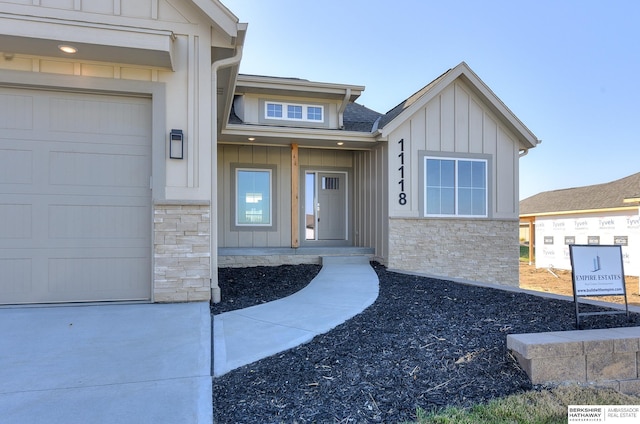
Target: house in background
{"points": [[597, 214], [135, 161]]}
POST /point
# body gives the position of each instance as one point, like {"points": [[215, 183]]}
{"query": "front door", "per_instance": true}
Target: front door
{"points": [[325, 206]]}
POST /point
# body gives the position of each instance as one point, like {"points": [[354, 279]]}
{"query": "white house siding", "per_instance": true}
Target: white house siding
{"points": [[610, 228], [181, 97], [457, 122]]}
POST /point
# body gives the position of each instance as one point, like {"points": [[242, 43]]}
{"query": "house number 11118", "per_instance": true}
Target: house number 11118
{"points": [[402, 197]]}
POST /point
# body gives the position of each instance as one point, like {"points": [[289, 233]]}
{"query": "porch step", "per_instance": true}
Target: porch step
{"points": [[351, 259]]}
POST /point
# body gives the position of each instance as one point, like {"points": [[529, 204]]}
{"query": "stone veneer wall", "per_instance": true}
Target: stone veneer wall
{"points": [[240, 261], [181, 252], [468, 249]]}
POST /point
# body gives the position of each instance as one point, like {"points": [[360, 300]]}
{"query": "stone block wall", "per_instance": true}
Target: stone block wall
{"points": [[182, 257], [604, 357], [469, 249]]}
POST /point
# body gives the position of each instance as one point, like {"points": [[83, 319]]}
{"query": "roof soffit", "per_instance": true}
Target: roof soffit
{"points": [[478, 87], [96, 42]]}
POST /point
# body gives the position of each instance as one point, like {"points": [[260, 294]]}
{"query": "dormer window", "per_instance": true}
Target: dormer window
{"points": [[294, 112]]}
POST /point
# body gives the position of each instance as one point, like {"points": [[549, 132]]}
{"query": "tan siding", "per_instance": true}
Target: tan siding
{"points": [[506, 176], [447, 119], [433, 125], [461, 119], [475, 127], [454, 121], [254, 155], [370, 199]]}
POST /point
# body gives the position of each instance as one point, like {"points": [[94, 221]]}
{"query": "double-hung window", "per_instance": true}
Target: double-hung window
{"points": [[455, 187]]}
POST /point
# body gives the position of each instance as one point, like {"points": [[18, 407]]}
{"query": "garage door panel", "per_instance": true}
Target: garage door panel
{"points": [[99, 222], [16, 166], [16, 111], [97, 278], [16, 277], [95, 115], [75, 202], [99, 169], [16, 222]]}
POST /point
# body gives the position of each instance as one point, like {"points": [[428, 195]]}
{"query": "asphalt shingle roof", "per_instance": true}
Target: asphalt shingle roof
{"points": [[599, 196], [359, 118]]}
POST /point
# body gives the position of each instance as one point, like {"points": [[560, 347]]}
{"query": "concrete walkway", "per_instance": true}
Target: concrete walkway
{"points": [[138, 363], [344, 287]]}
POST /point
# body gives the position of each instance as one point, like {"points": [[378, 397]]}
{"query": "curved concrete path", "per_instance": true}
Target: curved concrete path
{"points": [[344, 287]]}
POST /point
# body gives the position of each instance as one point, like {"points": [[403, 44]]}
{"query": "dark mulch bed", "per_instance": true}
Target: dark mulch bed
{"points": [[424, 343]]}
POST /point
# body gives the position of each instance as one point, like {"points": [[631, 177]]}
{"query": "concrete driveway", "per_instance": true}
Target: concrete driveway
{"points": [[138, 363]]}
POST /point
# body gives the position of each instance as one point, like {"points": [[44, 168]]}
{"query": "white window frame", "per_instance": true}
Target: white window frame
{"points": [[285, 112], [456, 186]]}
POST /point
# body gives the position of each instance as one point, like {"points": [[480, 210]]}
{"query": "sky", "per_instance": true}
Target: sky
{"points": [[568, 69]]}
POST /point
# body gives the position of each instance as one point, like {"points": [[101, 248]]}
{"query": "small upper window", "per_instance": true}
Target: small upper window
{"points": [[274, 110], [294, 112], [314, 113]]}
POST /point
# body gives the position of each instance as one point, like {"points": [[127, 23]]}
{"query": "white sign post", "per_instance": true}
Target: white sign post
{"points": [[597, 270]]}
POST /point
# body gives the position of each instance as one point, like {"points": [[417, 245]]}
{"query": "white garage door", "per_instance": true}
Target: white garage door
{"points": [[75, 202]]}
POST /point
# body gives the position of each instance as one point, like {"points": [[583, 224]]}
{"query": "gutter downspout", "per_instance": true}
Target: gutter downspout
{"points": [[213, 246], [343, 106]]}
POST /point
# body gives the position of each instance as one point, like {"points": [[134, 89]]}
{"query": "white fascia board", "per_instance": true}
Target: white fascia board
{"points": [[247, 83], [98, 42], [481, 89], [301, 133], [219, 15]]}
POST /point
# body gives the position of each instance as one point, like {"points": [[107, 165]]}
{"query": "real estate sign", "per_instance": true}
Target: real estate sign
{"points": [[597, 270]]}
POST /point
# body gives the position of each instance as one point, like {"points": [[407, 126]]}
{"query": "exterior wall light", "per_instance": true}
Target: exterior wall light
{"points": [[176, 144]]}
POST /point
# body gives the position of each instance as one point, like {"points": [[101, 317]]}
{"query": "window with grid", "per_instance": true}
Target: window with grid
{"points": [[455, 187]]}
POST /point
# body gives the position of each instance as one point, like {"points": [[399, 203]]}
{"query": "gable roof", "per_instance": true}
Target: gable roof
{"points": [[396, 116], [600, 196]]}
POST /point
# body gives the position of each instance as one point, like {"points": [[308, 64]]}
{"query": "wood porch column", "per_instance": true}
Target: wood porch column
{"points": [[295, 201]]}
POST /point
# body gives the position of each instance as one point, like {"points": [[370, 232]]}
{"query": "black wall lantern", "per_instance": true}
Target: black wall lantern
{"points": [[176, 144]]}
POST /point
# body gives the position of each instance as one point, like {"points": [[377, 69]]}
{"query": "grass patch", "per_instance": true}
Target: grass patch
{"points": [[524, 253], [535, 407]]}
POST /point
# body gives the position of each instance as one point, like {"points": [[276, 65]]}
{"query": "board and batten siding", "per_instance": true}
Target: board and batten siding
{"points": [[280, 157], [455, 121], [370, 200]]}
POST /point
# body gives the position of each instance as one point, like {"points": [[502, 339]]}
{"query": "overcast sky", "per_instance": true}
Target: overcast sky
{"points": [[570, 70]]}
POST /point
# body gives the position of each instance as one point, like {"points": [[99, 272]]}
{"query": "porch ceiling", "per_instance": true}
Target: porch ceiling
{"points": [[96, 42], [303, 137]]}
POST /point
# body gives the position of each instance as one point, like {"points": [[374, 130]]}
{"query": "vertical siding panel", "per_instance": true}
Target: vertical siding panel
{"points": [[489, 141], [475, 127], [506, 174], [461, 105], [433, 125], [447, 121]]}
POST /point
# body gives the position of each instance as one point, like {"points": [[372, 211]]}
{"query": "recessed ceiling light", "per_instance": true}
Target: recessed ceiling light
{"points": [[340, 143], [67, 49], [252, 139]]}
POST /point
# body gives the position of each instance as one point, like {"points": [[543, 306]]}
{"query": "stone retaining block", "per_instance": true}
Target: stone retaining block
{"points": [[604, 357]]}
